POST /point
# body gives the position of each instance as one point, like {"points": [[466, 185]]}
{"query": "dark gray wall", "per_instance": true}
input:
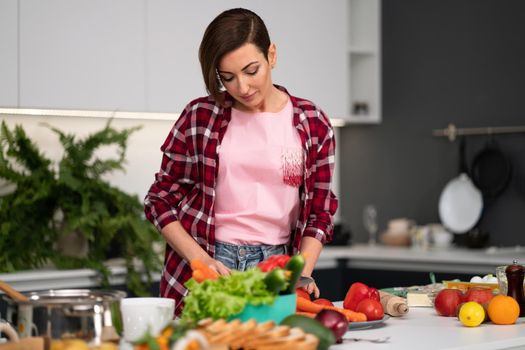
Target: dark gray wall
{"points": [[444, 61]]}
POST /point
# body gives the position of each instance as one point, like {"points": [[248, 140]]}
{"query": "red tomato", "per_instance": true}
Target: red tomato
{"points": [[301, 293], [371, 308], [357, 292], [323, 301]]}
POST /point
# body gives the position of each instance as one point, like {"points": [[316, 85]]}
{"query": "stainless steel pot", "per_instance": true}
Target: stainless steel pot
{"points": [[91, 315]]}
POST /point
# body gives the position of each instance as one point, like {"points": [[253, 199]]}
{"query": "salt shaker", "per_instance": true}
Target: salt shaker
{"points": [[515, 273]]}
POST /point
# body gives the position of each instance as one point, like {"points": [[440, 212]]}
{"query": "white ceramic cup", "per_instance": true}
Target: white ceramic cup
{"points": [[9, 331], [141, 314]]}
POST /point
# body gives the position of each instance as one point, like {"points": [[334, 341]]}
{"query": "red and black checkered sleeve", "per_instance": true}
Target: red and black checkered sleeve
{"points": [[324, 203], [175, 178]]}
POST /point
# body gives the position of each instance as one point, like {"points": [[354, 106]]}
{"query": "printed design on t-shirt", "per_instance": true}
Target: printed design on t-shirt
{"points": [[292, 165]]}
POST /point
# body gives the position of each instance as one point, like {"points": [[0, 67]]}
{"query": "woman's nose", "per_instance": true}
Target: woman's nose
{"points": [[243, 85]]}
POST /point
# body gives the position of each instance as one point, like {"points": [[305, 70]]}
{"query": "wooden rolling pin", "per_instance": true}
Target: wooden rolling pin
{"points": [[393, 305], [13, 293]]}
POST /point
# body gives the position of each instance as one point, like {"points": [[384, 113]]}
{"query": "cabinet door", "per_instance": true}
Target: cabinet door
{"points": [[364, 60], [82, 54], [309, 34], [9, 53]]}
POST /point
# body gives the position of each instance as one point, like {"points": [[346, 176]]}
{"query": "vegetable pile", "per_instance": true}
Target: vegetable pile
{"points": [[226, 295], [214, 296]]}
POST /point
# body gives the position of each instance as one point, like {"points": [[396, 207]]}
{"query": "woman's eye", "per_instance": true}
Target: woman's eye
{"points": [[226, 79], [253, 72]]}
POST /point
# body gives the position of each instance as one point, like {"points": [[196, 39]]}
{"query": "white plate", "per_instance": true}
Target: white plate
{"points": [[460, 204], [367, 324]]}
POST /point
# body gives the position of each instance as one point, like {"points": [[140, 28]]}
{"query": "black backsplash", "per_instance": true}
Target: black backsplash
{"points": [[444, 61]]}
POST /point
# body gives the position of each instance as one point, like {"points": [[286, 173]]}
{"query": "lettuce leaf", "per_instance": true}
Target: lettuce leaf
{"points": [[225, 296]]}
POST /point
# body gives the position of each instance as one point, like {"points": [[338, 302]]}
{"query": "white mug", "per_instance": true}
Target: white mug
{"points": [[140, 315], [9, 331]]}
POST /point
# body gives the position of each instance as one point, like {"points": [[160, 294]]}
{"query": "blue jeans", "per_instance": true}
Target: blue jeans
{"points": [[242, 257]]}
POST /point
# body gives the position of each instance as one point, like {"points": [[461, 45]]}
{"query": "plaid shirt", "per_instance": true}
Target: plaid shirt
{"points": [[184, 188]]}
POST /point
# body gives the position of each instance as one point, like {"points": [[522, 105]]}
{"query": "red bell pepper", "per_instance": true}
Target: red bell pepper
{"points": [[273, 262], [357, 292]]}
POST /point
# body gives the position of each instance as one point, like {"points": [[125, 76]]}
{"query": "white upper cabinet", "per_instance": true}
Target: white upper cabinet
{"points": [[364, 61], [142, 55], [82, 54], [8, 53], [309, 35]]}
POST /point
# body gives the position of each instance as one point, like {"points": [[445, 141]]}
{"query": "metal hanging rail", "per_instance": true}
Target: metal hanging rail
{"points": [[452, 131]]}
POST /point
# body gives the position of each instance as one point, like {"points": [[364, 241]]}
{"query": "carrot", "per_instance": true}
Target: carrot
{"points": [[304, 305], [198, 276], [202, 272], [307, 305], [307, 314], [351, 316]]}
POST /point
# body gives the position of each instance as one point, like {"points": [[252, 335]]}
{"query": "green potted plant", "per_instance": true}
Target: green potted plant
{"points": [[48, 202]]}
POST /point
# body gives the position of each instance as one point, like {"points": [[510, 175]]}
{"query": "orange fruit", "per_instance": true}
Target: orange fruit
{"points": [[503, 309]]}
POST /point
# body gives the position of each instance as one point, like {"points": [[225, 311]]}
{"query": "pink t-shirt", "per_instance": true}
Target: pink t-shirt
{"points": [[260, 171]]}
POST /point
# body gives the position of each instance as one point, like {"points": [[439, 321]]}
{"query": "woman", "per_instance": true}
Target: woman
{"points": [[246, 171]]}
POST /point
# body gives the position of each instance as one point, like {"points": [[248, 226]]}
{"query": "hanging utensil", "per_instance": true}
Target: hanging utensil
{"points": [[460, 203], [491, 170]]}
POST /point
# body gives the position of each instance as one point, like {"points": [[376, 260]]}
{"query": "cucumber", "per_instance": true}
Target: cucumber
{"points": [[312, 326], [276, 281], [295, 265]]}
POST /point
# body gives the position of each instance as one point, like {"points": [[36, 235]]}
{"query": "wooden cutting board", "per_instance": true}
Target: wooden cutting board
{"points": [[33, 343]]}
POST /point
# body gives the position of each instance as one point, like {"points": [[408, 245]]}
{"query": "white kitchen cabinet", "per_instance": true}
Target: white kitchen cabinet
{"points": [[142, 55], [82, 54], [311, 55], [364, 61], [9, 53]]}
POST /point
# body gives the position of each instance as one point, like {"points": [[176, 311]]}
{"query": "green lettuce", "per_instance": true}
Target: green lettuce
{"points": [[225, 296]]}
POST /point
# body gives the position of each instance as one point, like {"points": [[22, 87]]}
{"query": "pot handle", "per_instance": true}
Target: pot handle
{"points": [[9, 331]]}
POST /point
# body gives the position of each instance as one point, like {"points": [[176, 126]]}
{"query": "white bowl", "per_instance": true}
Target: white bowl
{"points": [[142, 314], [442, 238]]}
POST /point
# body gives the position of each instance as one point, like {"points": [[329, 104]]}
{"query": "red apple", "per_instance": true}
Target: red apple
{"points": [[447, 301], [479, 294]]}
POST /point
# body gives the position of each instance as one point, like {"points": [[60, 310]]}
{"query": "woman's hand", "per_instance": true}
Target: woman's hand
{"points": [[312, 288], [217, 266]]}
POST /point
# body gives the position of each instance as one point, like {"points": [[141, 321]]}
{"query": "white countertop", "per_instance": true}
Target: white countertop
{"points": [[422, 328], [457, 260]]}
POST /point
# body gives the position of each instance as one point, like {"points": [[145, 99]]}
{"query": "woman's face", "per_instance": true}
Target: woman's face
{"points": [[246, 75]]}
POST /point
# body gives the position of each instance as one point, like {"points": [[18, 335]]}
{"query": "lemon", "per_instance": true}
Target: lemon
{"points": [[471, 314]]}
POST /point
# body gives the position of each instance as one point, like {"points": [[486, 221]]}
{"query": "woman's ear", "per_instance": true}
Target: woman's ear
{"points": [[272, 55]]}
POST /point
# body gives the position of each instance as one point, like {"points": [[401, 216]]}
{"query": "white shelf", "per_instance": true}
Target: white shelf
{"points": [[363, 119], [362, 50], [364, 62]]}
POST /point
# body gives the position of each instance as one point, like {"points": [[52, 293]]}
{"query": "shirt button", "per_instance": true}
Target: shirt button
{"points": [[242, 252]]}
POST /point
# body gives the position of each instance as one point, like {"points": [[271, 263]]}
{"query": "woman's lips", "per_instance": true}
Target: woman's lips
{"points": [[248, 97]]}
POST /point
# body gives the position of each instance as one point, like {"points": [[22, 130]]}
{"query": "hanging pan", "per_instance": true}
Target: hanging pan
{"points": [[491, 170], [460, 203]]}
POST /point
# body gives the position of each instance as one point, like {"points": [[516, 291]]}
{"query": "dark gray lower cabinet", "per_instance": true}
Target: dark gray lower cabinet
{"points": [[334, 282]]}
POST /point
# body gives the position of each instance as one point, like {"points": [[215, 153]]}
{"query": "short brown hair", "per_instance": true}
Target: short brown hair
{"points": [[227, 32]]}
